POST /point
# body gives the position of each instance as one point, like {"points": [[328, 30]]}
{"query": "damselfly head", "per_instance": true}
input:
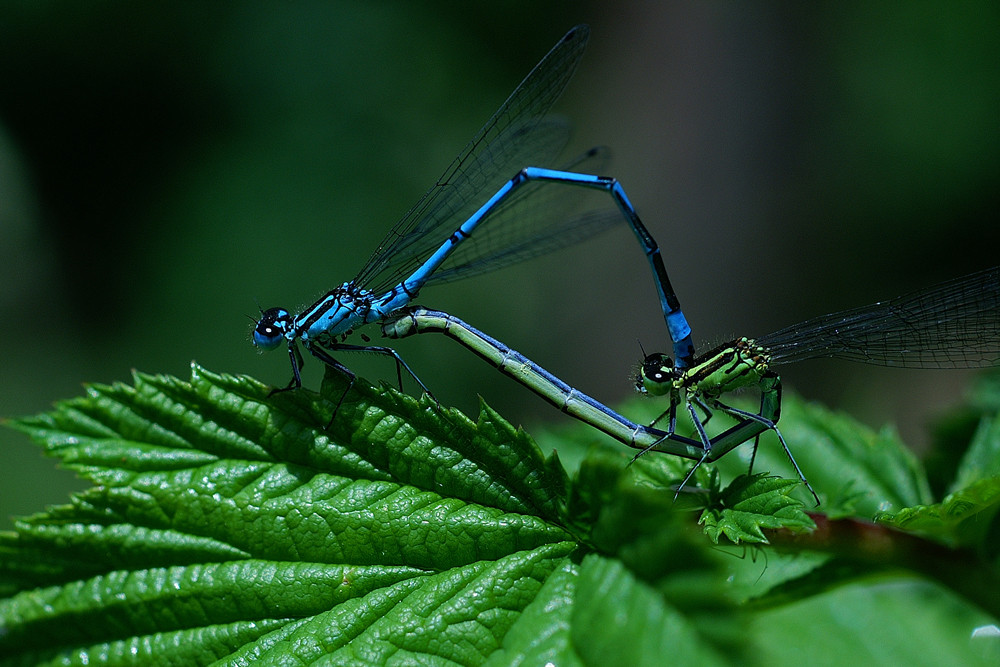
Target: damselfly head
{"points": [[657, 374], [271, 327]]}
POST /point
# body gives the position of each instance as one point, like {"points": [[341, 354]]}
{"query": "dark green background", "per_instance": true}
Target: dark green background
{"points": [[165, 167]]}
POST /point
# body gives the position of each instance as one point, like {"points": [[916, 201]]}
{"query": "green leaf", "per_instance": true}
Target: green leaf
{"points": [[540, 635], [752, 503], [954, 432], [226, 525], [969, 516], [879, 621], [620, 619], [982, 460], [229, 527], [654, 550], [965, 518], [215, 514]]}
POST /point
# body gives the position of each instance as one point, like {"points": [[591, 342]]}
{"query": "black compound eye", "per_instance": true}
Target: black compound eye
{"points": [[658, 367]]}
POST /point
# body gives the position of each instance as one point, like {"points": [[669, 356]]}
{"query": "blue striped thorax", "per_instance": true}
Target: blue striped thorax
{"points": [[340, 310]]}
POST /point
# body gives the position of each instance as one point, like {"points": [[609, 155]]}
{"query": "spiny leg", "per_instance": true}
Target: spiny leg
{"points": [[694, 469], [771, 426], [671, 411], [323, 356], [706, 442], [697, 400], [389, 352], [374, 349], [672, 426], [296, 358]]}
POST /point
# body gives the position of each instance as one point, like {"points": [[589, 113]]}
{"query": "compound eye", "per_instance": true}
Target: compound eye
{"points": [[271, 328], [658, 367]]}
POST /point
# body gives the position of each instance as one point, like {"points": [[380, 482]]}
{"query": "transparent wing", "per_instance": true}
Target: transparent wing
{"points": [[537, 219], [513, 138], [953, 325]]}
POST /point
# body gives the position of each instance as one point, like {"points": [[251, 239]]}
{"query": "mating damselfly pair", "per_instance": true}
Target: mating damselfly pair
{"points": [[498, 192]]}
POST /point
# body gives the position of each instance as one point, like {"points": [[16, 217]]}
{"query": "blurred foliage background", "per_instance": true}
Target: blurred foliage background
{"points": [[166, 167]]}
